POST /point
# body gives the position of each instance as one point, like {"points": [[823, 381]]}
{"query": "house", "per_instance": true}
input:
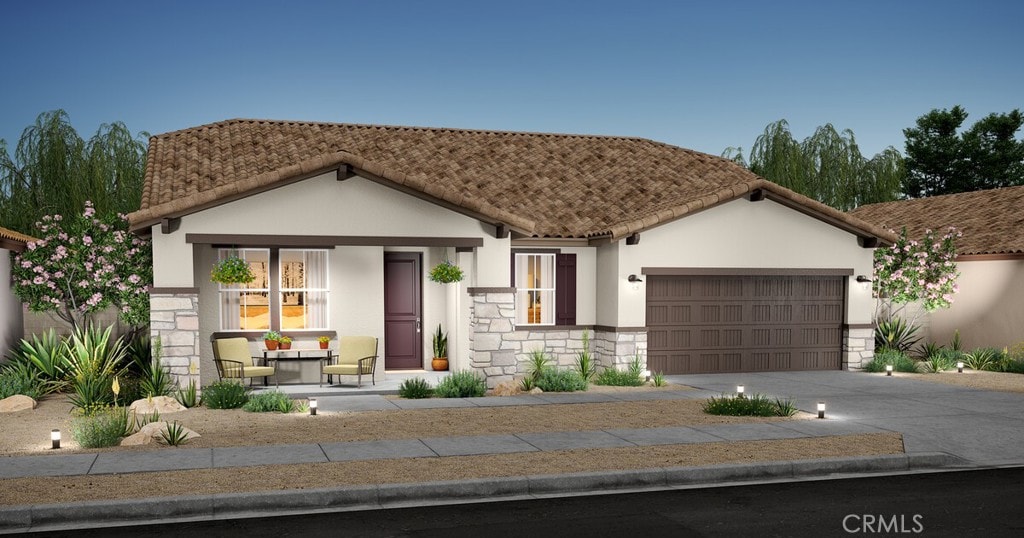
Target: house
{"points": [[11, 326], [988, 310], [641, 247]]}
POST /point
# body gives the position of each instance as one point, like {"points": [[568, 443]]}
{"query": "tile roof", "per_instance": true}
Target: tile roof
{"points": [[12, 240], [542, 185], [991, 220]]}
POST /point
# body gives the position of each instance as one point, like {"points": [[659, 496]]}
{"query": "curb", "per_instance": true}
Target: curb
{"points": [[237, 505]]}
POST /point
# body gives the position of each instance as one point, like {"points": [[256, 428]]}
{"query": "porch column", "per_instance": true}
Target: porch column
{"points": [[174, 322], [858, 345], [492, 318]]}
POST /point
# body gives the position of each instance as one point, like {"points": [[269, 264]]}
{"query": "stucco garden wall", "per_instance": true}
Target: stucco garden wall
{"points": [[988, 311]]}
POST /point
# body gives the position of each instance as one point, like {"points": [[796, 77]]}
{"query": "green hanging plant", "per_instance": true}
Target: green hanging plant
{"points": [[446, 272], [232, 270]]}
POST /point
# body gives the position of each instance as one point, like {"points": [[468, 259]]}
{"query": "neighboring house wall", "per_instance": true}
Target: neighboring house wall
{"points": [[10, 308], [987, 311]]}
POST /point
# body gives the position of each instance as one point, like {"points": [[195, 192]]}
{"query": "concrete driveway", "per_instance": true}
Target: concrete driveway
{"points": [[982, 427]]}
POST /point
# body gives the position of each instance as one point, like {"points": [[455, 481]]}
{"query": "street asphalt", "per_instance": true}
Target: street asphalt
{"points": [[942, 426]]}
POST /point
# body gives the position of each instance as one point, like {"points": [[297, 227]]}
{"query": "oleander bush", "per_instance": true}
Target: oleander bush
{"points": [[225, 395], [464, 384], [415, 388]]}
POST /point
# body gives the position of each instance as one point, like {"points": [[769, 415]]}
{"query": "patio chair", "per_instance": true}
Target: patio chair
{"points": [[234, 361], [357, 355]]}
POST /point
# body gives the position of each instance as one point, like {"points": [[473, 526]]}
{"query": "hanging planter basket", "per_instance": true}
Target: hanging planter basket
{"points": [[446, 272], [232, 270]]}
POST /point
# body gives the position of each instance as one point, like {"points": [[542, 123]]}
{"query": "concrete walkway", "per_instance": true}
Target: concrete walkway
{"points": [[942, 425]]}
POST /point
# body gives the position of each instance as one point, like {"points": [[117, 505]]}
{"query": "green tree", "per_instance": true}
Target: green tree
{"points": [[54, 171], [941, 160], [827, 166]]}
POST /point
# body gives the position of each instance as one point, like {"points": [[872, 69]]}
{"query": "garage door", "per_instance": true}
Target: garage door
{"points": [[709, 324]]}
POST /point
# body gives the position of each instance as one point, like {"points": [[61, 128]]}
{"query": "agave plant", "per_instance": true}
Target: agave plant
{"points": [[895, 333], [45, 354], [93, 362]]}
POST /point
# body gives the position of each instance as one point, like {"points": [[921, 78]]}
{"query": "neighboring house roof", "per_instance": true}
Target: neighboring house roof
{"points": [[991, 220], [12, 240], [541, 185]]}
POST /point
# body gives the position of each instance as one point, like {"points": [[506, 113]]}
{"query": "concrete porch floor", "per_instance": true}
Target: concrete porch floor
{"points": [[386, 383]]}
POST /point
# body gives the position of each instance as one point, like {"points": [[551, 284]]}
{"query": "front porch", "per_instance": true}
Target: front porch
{"points": [[387, 383]]}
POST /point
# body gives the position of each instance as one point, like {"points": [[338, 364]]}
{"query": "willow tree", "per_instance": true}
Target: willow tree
{"points": [[827, 166], [54, 171]]}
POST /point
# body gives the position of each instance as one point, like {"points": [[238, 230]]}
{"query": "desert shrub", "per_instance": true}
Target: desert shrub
{"points": [[157, 382], [464, 384], [939, 360], [539, 363], [225, 395], [756, 405], [93, 363], [899, 361], [895, 333], [618, 378], [189, 396], [20, 378], [139, 352], [659, 379], [131, 389], [174, 434], [561, 381], [101, 429], [585, 364], [45, 353], [415, 388], [267, 402], [983, 358]]}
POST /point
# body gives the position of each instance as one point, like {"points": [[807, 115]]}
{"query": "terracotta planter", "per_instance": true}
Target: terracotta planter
{"points": [[285, 345], [324, 345], [271, 344], [439, 363]]}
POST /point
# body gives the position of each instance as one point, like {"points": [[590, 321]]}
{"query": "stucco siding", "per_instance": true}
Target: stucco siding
{"points": [[10, 308], [988, 310], [744, 234]]}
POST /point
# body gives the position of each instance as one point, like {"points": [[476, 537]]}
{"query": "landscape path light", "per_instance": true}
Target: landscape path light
{"points": [[888, 370], [821, 409], [312, 406], [739, 391], [54, 439], [960, 367]]}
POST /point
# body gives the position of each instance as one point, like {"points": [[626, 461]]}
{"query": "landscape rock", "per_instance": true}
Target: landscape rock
{"points": [[160, 404], [507, 388], [18, 402], [153, 433], [535, 390]]}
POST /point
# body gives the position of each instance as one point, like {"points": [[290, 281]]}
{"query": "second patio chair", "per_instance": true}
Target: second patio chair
{"points": [[357, 355], [235, 361]]}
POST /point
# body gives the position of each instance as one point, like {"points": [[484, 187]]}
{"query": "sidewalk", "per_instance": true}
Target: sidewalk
{"points": [[942, 426]]}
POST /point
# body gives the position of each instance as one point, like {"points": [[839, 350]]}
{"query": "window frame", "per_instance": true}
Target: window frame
{"points": [[275, 291], [564, 280], [552, 291]]}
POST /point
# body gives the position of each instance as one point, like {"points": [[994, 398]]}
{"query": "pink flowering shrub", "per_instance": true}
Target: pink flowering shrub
{"points": [[83, 264], [922, 270]]}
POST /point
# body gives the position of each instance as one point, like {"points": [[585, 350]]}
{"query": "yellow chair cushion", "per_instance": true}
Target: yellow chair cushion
{"points": [[353, 348], [234, 349], [250, 371], [344, 369]]}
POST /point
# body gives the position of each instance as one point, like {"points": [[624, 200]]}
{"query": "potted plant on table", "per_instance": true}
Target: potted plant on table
{"points": [[285, 342], [271, 339], [440, 361], [324, 341]]}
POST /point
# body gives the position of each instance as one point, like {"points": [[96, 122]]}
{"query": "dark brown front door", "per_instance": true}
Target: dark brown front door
{"points": [[710, 324], [403, 342]]}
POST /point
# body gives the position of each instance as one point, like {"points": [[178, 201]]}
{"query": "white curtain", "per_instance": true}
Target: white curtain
{"points": [[315, 262]]}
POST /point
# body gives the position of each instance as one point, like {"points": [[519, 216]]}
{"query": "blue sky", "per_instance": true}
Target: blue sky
{"points": [[700, 75]]}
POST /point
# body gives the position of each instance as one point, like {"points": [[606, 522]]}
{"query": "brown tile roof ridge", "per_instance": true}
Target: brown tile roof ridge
{"points": [[149, 215], [12, 235], [386, 127], [991, 220]]}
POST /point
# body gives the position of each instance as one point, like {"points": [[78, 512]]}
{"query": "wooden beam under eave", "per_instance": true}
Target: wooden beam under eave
{"points": [[169, 225], [756, 195], [346, 171]]}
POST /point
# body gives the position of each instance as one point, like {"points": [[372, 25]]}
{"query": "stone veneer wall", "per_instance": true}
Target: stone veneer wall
{"points": [[858, 347], [501, 352], [174, 319]]}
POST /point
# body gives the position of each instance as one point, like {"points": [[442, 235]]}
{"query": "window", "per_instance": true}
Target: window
{"points": [[545, 288], [290, 291]]}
